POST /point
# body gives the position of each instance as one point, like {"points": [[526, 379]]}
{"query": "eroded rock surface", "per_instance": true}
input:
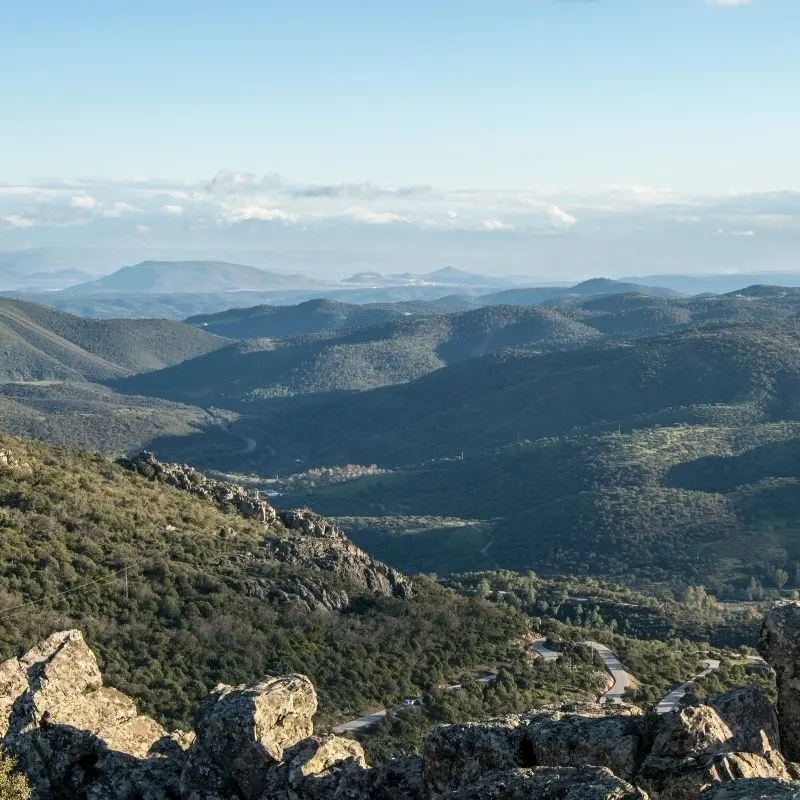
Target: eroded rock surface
{"points": [[297, 537], [599, 735], [780, 647], [552, 783], [76, 738]]}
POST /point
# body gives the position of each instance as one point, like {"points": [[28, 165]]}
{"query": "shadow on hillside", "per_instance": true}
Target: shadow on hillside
{"points": [[725, 474]]}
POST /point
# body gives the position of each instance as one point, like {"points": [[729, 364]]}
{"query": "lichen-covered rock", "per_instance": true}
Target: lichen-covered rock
{"points": [[685, 779], [551, 783], [751, 718], [780, 646], [734, 737], [242, 733], [60, 722], [324, 545], [456, 756], [690, 732], [600, 735], [754, 789]]}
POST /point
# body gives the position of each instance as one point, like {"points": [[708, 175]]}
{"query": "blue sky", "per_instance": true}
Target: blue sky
{"points": [[554, 101], [468, 93]]}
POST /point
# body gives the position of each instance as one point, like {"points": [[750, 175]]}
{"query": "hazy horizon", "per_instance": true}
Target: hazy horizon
{"points": [[554, 140]]}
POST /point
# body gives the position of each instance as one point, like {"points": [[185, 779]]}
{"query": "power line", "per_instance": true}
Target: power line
{"points": [[8, 612]]}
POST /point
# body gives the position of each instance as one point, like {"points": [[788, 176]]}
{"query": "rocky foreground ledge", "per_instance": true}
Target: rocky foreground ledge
{"points": [[75, 738]]}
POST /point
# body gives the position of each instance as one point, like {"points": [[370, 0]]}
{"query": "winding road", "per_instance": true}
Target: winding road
{"points": [[622, 678], [671, 701]]}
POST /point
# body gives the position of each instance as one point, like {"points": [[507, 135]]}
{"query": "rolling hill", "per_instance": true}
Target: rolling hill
{"points": [[655, 459], [311, 316], [595, 287], [366, 358], [38, 343]]}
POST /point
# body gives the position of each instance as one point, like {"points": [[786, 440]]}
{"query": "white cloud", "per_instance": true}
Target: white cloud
{"points": [[143, 230], [173, 209], [256, 213], [83, 201], [494, 225], [371, 217], [559, 217], [118, 209], [728, 3]]}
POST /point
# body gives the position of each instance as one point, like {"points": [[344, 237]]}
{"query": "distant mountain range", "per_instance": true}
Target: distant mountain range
{"points": [[447, 276], [197, 277]]}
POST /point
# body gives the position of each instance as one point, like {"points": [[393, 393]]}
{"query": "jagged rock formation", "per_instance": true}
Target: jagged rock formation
{"points": [[187, 478], [780, 646], [307, 540], [324, 545], [75, 738], [754, 789]]}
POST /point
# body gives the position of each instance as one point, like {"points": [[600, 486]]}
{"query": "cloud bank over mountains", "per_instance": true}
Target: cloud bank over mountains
{"points": [[365, 223]]}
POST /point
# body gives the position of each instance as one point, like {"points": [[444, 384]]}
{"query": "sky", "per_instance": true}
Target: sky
{"points": [[181, 123]]}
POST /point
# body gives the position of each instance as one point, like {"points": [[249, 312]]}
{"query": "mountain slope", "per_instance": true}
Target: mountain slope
{"points": [[181, 277], [590, 288], [367, 358], [695, 374], [38, 343], [177, 593], [311, 316]]}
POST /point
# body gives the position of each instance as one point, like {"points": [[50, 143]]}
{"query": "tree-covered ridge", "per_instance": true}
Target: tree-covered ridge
{"points": [[38, 343], [176, 595], [311, 316], [361, 359]]}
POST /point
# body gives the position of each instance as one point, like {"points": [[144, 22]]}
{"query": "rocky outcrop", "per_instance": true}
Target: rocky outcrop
{"points": [[551, 783], [10, 463], [750, 717], [780, 647], [584, 734], [754, 789], [321, 543], [243, 731], [76, 738], [185, 477], [733, 737], [65, 728], [457, 756], [296, 538]]}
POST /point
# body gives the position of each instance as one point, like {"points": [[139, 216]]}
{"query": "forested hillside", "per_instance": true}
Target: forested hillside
{"points": [[38, 343], [177, 593], [394, 352]]}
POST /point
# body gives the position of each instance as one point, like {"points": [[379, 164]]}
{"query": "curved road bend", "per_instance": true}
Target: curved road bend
{"points": [[622, 679], [671, 701], [361, 722], [374, 718]]}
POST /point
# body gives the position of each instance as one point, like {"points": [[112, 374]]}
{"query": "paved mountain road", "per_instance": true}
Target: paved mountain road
{"points": [[671, 701], [622, 679], [615, 694]]}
